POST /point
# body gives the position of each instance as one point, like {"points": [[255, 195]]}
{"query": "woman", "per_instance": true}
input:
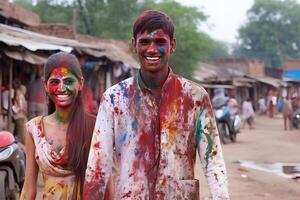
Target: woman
{"points": [[57, 145]]}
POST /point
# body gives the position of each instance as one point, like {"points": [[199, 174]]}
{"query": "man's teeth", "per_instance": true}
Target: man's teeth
{"points": [[152, 58]]}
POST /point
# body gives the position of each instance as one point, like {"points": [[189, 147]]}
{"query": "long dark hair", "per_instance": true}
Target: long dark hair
{"points": [[81, 124]]}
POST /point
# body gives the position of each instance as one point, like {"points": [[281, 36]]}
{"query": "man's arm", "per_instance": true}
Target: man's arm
{"points": [[99, 165], [210, 151]]}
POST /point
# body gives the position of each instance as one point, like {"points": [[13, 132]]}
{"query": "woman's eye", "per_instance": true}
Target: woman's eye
{"points": [[69, 82], [54, 82]]}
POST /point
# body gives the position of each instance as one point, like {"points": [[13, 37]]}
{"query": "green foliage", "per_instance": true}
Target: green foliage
{"points": [[113, 19], [220, 50], [272, 31]]}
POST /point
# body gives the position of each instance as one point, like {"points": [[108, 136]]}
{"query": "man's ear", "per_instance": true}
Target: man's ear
{"points": [[173, 45], [133, 42]]}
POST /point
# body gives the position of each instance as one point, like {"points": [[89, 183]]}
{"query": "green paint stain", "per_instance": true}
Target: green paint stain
{"points": [[199, 133]]}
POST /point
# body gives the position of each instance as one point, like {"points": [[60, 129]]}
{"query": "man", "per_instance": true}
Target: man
{"points": [[153, 124]]}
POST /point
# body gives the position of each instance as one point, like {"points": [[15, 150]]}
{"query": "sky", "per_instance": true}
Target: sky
{"points": [[224, 16]]}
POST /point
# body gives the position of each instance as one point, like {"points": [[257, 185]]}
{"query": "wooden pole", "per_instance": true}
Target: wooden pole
{"points": [[9, 95]]}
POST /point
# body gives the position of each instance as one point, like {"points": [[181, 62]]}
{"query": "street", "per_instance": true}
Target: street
{"points": [[267, 144]]}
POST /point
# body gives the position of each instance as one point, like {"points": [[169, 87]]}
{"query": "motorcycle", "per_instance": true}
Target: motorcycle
{"points": [[228, 125], [12, 167], [296, 119]]}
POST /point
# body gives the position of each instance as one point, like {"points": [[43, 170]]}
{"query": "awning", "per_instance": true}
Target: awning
{"points": [[25, 56], [213, 86], [291, 75], [269, 81]]}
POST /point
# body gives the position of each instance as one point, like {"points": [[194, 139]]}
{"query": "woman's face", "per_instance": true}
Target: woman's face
{"points": [[63, 87]]}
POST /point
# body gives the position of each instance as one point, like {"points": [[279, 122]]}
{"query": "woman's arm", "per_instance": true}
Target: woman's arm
{"points": [[31, 172]]}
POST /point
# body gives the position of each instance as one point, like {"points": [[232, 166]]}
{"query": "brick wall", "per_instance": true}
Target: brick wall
{"points": [[18, 13], [58, 30], [291, 64]]}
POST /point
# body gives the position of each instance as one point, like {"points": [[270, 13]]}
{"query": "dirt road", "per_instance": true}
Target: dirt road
{"points": [[268, 143]]}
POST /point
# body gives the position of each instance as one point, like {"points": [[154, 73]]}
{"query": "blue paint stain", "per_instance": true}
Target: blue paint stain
{"points": [[134, 124], [112, 98], [162, 50], [136, 151], [123, 138], [152, 34], [123, 86]]}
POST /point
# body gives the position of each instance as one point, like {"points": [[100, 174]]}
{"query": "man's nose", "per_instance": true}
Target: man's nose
{"points": [[152, 47]]}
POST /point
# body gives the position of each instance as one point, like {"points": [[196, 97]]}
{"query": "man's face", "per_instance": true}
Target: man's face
{"points": [[154, 49]]}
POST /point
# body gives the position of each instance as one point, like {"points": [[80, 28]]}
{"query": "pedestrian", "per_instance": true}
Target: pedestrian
{"points": [[262, 108], [248, 113], [36, 97], [57, 144], [287, 113], [19, 110], [153, 124]]}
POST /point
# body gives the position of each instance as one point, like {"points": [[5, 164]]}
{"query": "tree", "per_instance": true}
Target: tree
{"points": [[272, 31]]}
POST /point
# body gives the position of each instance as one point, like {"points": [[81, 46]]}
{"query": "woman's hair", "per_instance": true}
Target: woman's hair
{"points": [[151, 20], [81, 124]]}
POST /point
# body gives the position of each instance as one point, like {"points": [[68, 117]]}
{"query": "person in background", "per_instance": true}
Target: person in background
{"points": [[36, 97], [262, 108], [154, 124], [248, 113], [57, 144], [19, 110], [287, 113]]}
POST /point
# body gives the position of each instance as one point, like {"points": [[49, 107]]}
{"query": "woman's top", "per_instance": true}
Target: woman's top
{"points": [[59, 181]]}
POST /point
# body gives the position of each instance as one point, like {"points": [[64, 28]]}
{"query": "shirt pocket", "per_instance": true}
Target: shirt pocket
{"points": [[185, 190]]}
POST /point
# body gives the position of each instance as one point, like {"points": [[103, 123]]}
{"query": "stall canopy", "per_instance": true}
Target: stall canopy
{"points": [[33, 42]]}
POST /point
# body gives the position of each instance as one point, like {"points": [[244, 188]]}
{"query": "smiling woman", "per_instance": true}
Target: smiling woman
{"points": [[57, 144]]}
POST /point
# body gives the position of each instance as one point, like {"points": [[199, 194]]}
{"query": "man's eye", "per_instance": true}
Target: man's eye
{"points": [[161, 41], [144, 41]]}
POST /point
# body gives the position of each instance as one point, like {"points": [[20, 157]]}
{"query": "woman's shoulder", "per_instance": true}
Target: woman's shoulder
{"points": [[34, 122]]}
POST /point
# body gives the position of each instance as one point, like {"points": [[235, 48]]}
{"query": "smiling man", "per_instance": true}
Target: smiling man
{"points": [[152, 125]]}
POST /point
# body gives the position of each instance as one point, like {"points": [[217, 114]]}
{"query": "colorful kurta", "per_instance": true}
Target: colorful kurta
{"points": [[155, 144], [59, 182]]}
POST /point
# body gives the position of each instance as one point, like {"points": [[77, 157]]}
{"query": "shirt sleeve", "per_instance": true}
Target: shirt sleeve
{"points": [[210, 151], [99, 165]]}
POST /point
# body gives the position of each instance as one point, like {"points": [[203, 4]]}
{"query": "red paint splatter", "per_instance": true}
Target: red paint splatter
{"points": [[126, 195]]}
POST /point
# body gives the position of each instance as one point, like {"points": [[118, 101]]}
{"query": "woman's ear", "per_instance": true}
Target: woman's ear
{"points": [[81, 84], [45, 84]]}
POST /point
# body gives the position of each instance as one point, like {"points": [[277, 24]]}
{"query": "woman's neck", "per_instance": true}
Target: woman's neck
{"points": [[62, 115]]}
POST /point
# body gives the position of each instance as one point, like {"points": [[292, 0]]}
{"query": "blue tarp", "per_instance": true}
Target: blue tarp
{"points": [[291, 75]]}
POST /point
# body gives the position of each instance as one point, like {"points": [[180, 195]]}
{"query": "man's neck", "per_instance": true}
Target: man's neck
{"points": [[154, 80]]}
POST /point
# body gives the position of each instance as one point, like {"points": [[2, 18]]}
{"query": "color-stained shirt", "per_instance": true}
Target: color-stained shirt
{"points": [[155, 144], [58, 181]]}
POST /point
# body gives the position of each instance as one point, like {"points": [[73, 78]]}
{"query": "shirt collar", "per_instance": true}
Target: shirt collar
{"points": [[143, 85]]}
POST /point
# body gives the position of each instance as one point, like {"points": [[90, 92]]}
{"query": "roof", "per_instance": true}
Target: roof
{"points": [[208, 73], [291, 75], [269, 81], [32, 41]]}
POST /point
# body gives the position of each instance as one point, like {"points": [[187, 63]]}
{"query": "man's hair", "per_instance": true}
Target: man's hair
{"points": [[151, 20]]}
